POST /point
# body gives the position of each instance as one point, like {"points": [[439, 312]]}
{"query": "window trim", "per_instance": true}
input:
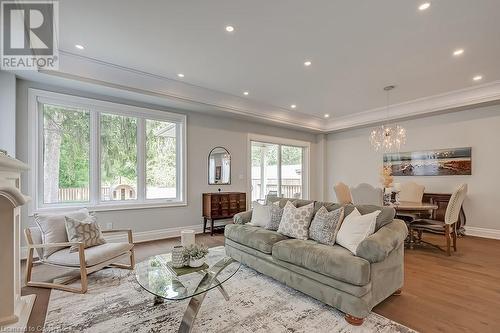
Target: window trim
{"points": [[96, 108], [281, 142]]}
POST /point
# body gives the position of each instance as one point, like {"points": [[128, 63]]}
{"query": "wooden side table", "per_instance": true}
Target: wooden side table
{"points": [[220, 206]]}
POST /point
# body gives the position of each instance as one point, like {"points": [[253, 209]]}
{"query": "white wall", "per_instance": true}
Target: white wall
{"points": [[8, 112], [351, 160], [203, 133]]}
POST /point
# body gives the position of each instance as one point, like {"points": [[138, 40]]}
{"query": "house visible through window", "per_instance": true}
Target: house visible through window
{"points": [[118, 155], [97, 153]]}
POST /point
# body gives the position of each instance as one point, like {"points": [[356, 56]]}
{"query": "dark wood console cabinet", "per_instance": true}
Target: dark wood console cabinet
{"points": [[222, 205]]}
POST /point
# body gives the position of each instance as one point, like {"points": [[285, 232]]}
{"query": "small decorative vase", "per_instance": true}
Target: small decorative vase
{"points": [[187, 238], [387, 196], [178, 256], [196, 262], [396, 198]]}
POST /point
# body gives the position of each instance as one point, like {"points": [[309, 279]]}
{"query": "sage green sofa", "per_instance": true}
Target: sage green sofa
{"points": [[351, 283]]}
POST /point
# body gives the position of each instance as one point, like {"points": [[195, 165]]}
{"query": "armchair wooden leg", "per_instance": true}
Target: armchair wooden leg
{"points": [[29, 266], [83, 270], [132, 259], [398, 292], [355, 321]]}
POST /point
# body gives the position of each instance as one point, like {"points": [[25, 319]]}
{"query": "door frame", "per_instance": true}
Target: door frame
{"points": [[283, 142]]}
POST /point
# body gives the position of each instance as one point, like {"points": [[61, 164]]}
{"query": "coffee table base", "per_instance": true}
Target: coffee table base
{"points": [[194, 305]]}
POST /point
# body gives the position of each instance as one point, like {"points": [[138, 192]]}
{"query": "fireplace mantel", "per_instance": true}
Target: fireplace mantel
{"points": [[14, 308]]}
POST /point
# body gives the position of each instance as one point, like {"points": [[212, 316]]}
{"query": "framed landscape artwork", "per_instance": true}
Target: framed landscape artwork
{"points": [[441, 162]]}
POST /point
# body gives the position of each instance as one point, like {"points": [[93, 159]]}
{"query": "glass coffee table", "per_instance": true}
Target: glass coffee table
{"points": [[156, 275]]}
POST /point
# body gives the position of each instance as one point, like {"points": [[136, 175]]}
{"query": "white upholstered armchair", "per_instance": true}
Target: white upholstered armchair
{"points": [[87, 260]]}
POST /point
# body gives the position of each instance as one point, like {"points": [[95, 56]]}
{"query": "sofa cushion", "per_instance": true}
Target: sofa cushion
{"points": [[333, 261], [386, 213], [93, 255], [330, 206], [295, 221], [325, 225], [282, 201], [257, 238], [276, 215], [257, 257], [261, 215], [355, 229]]}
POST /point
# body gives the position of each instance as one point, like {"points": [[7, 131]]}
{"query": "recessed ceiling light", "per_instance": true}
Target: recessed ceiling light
{"points": [[293, 106], [458, 52], [326, 115], [80, 47], [424, 6], [477, 78], [229, 28], [245, 93], [180, 75], [307, 63]]}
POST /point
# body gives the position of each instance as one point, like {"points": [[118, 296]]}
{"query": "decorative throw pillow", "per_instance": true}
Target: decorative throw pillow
{"points": [[53, 229], [261, 215], [355, 229], [86, 231], [295, 221], [325, 225], [276, 215]]}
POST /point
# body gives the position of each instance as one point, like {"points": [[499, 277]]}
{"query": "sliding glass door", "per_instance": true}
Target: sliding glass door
{"points": [[277, 170]]}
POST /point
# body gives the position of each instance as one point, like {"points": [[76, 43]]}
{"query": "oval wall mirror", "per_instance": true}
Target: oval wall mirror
{"points": [[219, 166]]}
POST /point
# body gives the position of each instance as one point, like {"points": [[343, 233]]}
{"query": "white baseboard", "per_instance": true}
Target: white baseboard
{"points": [[146, 236], [482, 232], [141, 236]]}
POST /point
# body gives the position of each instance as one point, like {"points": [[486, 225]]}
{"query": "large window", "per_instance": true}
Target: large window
{"points": [[104, 155], [278, 169]]}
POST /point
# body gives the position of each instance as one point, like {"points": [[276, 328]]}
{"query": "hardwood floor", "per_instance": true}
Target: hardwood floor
{"points": [[460, 293]]}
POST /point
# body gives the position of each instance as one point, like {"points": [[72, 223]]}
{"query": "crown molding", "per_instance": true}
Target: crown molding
{"points": [[442, 103], [94, 71], [94, 75]]}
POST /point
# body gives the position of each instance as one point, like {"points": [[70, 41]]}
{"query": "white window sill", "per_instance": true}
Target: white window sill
{"points": [[110, 207]]}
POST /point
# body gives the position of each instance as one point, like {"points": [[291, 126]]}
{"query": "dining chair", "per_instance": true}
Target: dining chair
{"points": [[449, 225], [411, 192], [343, 193], [365, 194]]}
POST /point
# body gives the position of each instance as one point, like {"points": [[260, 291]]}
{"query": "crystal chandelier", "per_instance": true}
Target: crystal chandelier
{"points": [[389, 137]]}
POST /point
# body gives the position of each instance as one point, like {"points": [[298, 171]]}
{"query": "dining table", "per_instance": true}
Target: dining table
{"points": [[413, 207]]}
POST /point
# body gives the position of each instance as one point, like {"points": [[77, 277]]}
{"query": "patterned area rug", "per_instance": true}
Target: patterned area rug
{"points": [[116, 303]]}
